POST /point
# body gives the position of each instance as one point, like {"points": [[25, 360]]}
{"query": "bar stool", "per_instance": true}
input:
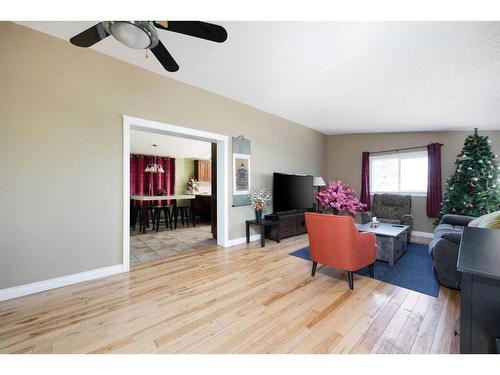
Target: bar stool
{"points": [[137, 213], [166, 209], [185, 212]]}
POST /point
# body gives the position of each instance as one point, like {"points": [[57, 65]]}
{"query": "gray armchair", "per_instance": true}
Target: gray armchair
{"points": [[444, 248], [392, 209]]}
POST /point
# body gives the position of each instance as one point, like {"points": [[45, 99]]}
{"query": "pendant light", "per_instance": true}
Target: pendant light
{"points": [[154, 168]]}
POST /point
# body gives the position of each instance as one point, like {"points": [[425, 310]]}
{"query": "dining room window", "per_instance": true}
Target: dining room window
{"points": [[401, 172]]}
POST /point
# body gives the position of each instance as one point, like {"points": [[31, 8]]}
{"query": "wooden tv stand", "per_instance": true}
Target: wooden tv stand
{"points": [[292, 223]]}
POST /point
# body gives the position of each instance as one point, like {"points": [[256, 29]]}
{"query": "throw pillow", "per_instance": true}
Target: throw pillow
{"points": [[489, 221]]}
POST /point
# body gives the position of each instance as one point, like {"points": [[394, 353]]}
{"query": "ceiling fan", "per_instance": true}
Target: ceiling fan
{"points": [[143, 35]]}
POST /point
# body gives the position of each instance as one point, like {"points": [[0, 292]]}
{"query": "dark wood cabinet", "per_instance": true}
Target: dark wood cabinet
{"points": [[203, 170], [479, 263], [203, 210], [290, 224]]}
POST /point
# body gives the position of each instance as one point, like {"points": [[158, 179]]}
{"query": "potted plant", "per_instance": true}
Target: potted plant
{"points": [[192, 186], [161, 192], [338, 198], [259, 199]]}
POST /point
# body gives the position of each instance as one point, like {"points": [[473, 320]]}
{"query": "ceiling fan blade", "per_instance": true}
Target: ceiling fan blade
{"points": [[198, 29], [90, 36], [165, 58]]}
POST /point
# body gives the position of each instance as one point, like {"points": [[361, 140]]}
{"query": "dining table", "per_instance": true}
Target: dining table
{"points": [[174, 198]]}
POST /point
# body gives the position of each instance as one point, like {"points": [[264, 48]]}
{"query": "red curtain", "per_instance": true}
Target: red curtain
{"points": [[365, 180], [146, 183], [434, 190]]}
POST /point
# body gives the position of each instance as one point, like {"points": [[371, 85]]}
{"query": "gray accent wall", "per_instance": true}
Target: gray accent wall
{"points": [[61, 150]]}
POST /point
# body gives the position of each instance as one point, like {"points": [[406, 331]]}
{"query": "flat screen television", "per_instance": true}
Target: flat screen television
{"points": [[292, 192]]}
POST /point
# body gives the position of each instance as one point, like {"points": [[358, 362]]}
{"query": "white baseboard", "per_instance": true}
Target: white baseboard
{"points": [[41, 286], [421, 234], [239, 241]]}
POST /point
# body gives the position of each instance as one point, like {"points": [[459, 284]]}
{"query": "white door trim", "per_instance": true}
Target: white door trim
{"points": [[222, 142]]}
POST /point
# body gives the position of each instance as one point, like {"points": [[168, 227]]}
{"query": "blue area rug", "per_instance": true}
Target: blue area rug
{"points": [[412, 271]]}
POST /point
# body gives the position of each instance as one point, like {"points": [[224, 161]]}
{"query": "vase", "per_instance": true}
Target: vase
{"points": [[258, 215]]}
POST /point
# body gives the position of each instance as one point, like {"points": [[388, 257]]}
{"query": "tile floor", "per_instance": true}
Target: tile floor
{"points": [[153, 246]]}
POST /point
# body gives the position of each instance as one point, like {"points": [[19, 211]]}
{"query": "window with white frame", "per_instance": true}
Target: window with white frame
{"points": [[402, 172]]}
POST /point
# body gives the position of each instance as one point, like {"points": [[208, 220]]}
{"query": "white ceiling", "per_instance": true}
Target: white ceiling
{"points": [[340, 77], [176, 147]]}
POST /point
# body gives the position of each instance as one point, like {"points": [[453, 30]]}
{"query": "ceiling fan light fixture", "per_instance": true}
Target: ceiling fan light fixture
{"points": [[134, 34]]}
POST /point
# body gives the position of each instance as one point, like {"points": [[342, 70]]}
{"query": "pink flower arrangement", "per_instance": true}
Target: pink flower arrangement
{"points": [[339, 197]]}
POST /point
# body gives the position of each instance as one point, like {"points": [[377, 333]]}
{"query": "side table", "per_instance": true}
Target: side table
{"points": [[263, 224]]}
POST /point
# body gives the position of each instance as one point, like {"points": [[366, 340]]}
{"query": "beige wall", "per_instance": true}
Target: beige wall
{"points": [[184, 169], [344, 158], [61, 150]]}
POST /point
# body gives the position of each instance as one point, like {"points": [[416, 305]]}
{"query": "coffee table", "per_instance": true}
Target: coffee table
{"points": [[391, 240]]}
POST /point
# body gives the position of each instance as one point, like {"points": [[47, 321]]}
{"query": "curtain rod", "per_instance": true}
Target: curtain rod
{"points": [[400, 149]]}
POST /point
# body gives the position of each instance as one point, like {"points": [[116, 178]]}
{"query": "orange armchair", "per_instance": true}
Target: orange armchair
{"points": [[335, 242]]}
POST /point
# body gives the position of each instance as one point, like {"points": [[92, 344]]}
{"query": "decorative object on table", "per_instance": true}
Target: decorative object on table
{"points": [[192, 186], [154, 167], [474, 188], [374, 223], [338, 197], [161, 192], [259, 199], [390, 209], [241, 171]]}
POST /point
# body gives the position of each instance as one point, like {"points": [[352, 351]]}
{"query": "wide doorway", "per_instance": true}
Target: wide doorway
{"points": [[174, 182]]}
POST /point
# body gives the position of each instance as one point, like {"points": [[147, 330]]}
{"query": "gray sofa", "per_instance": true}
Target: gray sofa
{"points": [[392, 209], [444, 248]]}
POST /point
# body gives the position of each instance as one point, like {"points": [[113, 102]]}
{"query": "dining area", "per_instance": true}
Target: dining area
{"points": [[170, 199]]}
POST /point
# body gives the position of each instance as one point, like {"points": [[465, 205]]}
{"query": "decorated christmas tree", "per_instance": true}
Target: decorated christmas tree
{"points": [[474, 188]]}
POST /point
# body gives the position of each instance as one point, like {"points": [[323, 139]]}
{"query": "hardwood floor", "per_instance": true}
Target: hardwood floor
{"points": [[244, 299]]}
